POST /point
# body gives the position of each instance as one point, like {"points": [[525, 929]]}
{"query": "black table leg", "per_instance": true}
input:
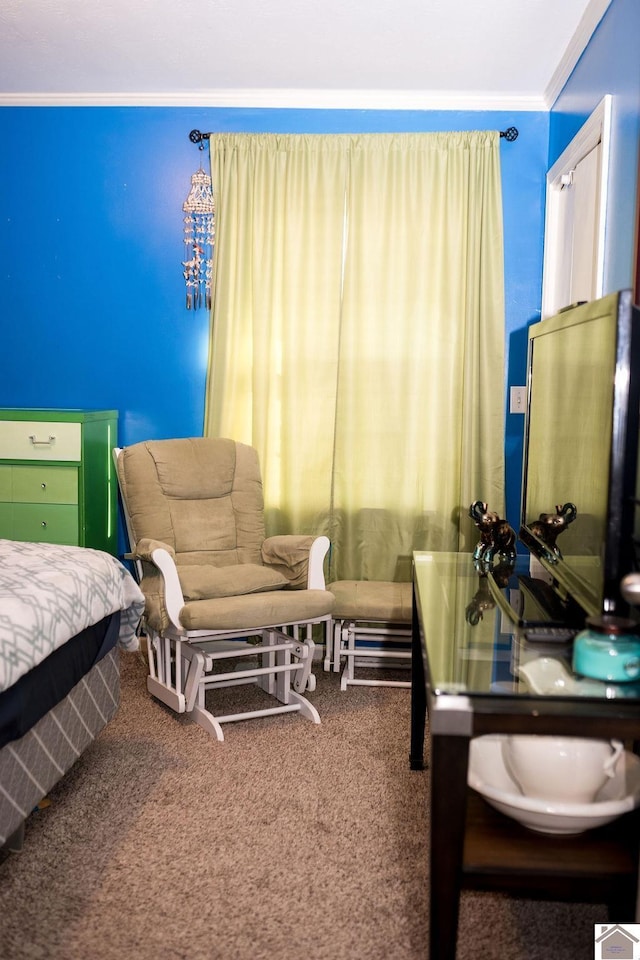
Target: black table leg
{"points": [[418, 694], [449, 760]]}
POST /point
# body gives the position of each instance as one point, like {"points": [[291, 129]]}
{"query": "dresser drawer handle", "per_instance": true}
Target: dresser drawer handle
{"points": [[37, 442]]}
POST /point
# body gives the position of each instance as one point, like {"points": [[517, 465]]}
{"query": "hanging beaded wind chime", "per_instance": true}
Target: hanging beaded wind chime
{"points": [[199, 236]]}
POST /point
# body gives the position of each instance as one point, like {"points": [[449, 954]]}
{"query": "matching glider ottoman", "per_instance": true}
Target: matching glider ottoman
{"points": [[378, 613]]}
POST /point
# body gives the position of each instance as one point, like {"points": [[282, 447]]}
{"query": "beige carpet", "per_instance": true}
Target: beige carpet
{"points": [[287, 841]]}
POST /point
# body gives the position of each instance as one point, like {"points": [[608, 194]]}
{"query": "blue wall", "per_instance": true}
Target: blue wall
{"points": [[91, 291], [609, 65], [92, 294]]}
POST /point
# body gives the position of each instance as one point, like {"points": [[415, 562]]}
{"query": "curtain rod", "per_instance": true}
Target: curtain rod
{"points": [[510, 134]]}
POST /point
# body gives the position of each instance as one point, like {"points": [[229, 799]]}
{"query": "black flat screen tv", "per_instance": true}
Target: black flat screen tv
{"points": [[581, 449]]}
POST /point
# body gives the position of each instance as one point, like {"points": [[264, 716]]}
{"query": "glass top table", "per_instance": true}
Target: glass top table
{"points": [[476, 671], [474, 646]]}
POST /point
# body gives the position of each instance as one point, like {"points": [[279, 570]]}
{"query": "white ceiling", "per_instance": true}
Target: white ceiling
{"points": [[429, 54]]}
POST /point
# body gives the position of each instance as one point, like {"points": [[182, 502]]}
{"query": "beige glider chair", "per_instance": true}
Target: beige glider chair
{"points": [[218, 594]]}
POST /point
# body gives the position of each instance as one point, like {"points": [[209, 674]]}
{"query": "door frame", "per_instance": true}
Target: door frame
{"points": [[595, 130]]}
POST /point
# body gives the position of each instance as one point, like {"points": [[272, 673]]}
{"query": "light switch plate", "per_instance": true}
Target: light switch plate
{"points": [[517, 400]]}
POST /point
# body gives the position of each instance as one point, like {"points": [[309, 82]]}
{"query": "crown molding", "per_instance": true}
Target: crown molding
{"points": [[584, 31], [345, 99], [287, 98]]}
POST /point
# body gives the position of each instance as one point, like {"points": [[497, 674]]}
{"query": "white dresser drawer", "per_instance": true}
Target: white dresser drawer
{"points": [[40, 440]]}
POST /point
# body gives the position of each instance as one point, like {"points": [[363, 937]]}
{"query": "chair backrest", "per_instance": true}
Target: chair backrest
{"points": [[201, 496]]}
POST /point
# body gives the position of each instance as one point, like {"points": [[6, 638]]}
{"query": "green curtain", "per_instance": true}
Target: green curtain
{"points": [[357, 335]]}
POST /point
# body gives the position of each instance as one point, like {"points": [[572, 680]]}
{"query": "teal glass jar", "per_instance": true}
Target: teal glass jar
{"points": [[608, 649]]}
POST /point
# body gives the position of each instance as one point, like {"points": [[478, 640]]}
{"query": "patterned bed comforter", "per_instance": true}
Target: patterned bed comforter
{"points": [[48, 593]]}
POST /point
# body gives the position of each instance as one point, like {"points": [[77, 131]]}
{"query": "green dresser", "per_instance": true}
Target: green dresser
{"points": [[57, 478]]}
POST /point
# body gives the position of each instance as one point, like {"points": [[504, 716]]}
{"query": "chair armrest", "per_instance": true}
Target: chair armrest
{"points": [[319, 550], [299, 558], [160, 585], [144, 549]]}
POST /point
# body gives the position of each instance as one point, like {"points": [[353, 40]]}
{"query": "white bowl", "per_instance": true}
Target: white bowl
{"points": [[545, 675], [553, 675], [560, 769], [487, 775]]}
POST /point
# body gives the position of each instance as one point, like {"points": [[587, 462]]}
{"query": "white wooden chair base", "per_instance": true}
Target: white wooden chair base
{"points": [[348, 632], [181, 672]]}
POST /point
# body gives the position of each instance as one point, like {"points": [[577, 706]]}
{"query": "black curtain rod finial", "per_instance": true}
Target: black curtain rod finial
{"points": [[196, 137], [510, 134]]}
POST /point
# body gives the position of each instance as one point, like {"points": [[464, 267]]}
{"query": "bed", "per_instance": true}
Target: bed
{"points": [[65, 614]]}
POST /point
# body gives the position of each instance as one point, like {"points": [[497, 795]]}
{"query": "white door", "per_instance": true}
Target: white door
{"points": [[575, 216]]}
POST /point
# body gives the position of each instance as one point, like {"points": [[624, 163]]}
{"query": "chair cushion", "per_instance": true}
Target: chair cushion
{"points": [[198, 495], [275, 608], [206, 582]]}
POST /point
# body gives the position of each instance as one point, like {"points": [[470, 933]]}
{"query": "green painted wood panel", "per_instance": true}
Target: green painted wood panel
{"points": [[44, 484], [44, 523], [5, 482], [6, 512]]}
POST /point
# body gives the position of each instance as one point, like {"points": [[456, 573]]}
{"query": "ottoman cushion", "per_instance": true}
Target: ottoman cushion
{"points": [[372, 600]]}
